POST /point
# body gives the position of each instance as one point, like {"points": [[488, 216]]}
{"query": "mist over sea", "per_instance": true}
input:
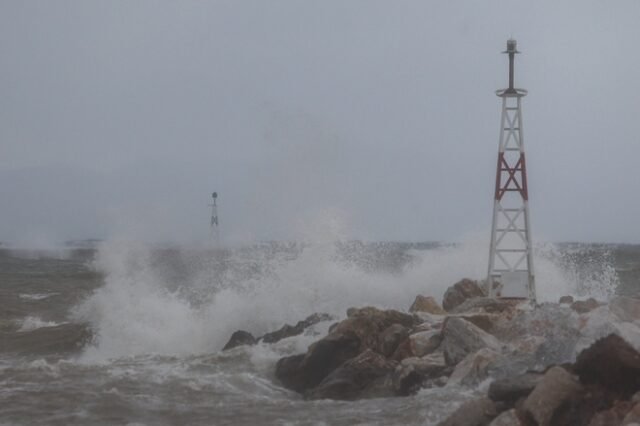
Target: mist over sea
{"points": [[160, 315]]}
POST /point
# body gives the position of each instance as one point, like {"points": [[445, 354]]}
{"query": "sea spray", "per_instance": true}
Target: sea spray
{"points": [[146, 307]]}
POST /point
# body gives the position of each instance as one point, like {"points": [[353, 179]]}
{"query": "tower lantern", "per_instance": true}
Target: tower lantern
{"points": [[511, 273]]}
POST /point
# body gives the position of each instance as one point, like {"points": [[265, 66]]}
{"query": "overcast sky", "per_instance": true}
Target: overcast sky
{"points": [[121, 117]]}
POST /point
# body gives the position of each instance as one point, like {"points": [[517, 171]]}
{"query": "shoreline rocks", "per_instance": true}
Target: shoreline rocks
{"points": [[242, 337], [566, 363]]}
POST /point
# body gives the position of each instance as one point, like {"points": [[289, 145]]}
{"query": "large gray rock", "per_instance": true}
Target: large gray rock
{"points": [[459, 292], [633, 416], [390, 338], [584, 306], [412, 373], [351, 379], [426, 304], [477, 412], [507, 418], [566, 300], [473, 368], [425, 342], [461, 338], [294, 330], [240, 338], [484, 304], [555, 389], [510, 389], [625, 308], [305, 371]]}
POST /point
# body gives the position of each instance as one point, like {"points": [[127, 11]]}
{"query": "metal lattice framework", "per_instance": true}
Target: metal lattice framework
{"points": [[214, 218], [511, 271]]}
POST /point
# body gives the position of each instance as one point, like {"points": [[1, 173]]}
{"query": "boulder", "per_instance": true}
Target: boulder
{"points": [[305, 371], [348, 338], [368, 323], [632, 416], [390, 338], [477, 412], [507, 418], [612, 363], [350, 380], [566, 300], [427, 321], [240, 338], [510, 389], [484, 305], [556, 388], [426, 304], [487, 322], [625, 308], [411, 373], [294, 330], [614, 416], [511, 364], [473, 368], [425, 342], [459, 292], [556, 350], [584, 306], [403, 351], [461, 338]]}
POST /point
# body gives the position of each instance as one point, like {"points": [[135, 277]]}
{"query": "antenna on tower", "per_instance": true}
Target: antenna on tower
{"points": [[511, 272], [214, 217]]}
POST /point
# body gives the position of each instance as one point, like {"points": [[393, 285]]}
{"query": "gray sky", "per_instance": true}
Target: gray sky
{"points": [[120, 117]]}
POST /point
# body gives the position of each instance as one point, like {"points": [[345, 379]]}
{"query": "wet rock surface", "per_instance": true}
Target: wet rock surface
{"points": [[391, 337], [240, 338], [511, 389], [612, 363], [412, 373], [350, 380], [288, 330], [556, 388], [478, 412], [584, 306], [460, 292], [303, 372], [426, 304], [461, 338]]}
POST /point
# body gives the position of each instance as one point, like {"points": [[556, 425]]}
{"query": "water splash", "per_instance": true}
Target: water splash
{"points": [[151, 305]]}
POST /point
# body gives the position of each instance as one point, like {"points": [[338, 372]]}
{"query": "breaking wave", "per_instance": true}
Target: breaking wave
{"points": [[186, 301]]}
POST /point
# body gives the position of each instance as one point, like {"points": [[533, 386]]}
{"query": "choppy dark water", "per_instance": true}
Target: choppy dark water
{"points": [[156, 319]]}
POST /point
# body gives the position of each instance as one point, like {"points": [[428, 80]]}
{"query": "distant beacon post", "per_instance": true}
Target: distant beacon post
{"points": [[511, 272], [214, 217]]}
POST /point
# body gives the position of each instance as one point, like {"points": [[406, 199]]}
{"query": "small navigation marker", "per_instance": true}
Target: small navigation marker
{"points": [[511, 258], [214, 217]]}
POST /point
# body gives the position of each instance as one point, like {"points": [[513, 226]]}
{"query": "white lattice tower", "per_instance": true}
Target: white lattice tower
{"points": [[214, 218], [511, 273]]}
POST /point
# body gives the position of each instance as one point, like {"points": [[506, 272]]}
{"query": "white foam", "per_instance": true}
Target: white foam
{"points": [[36, 296], [32, 323]]}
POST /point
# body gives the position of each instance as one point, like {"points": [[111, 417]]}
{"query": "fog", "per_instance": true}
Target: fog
{"points": [[367, 119]]}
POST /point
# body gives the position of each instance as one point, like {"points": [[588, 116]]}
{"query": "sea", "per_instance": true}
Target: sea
{"points": [[128, 333]]}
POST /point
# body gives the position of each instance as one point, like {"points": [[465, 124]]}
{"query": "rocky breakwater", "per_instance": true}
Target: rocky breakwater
{"points": [[569, 363], [384, 353]]}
